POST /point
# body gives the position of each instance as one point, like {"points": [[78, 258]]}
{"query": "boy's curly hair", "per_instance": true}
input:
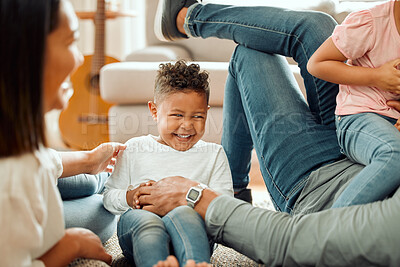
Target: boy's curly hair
{"points": [[180, 77]]}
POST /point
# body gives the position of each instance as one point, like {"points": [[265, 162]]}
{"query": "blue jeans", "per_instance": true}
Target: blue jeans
{"points": [[263, 106], [83, 206], [146, 238], [372, 140]]}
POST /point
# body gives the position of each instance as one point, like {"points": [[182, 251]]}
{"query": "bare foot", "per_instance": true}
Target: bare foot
{"points": [[171, 261]]}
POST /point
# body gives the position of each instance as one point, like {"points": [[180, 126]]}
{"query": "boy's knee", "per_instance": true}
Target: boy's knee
{"points": [[140, 219], [185, 215], [182, 210]]}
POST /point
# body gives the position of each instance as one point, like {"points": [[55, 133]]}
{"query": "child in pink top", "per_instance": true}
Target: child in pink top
{"points": [[363, 55]]}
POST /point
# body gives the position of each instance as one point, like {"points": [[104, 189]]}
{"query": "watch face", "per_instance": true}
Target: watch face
{"points": [[193, 194]]}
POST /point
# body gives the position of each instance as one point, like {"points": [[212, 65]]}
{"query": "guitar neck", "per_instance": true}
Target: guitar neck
{"points": [[99, 42]]}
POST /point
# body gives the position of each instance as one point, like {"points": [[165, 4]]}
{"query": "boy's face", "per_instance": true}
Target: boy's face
{"points": [[181, 119]]}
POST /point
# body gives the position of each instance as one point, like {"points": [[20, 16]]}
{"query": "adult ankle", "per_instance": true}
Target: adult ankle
{"points": [[180, 20], [244, 194]]}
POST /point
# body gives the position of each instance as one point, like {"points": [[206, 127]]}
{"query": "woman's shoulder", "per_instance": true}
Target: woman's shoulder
{"points": [[14, 165], [27, 172]]}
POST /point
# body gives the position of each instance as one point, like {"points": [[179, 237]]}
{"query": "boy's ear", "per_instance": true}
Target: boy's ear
{"points": [[153, 109]]}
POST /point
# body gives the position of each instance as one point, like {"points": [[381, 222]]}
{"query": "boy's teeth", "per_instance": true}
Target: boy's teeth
{"points": [[183, 136]]}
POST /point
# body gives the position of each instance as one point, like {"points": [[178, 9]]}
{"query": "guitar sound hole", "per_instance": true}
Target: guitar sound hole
{"points": [[94, 83]]}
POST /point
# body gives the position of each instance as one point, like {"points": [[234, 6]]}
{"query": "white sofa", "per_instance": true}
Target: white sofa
{"points": [[129, 85]]}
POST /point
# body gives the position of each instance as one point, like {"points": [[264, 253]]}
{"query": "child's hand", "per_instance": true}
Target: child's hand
{"points": [[388, 77], [103, 157], [395, 104], [132, 196], [397, 125]]}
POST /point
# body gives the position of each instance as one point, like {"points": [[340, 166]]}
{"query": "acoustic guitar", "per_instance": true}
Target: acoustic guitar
{"points": [[84, 123]]}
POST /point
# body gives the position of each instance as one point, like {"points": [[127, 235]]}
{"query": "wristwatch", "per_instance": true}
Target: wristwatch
{"points": [[194, 194]]}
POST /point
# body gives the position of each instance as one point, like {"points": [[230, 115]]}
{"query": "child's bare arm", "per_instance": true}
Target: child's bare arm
{"points": [[328, 63]]}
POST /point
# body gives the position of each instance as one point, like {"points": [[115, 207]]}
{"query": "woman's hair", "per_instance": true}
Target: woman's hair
{"points": [[180, 77], [24, 26]]}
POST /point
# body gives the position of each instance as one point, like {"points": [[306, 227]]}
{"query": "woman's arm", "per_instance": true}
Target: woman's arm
{"points": [[76, 243], [101, 158], [328, 63]]}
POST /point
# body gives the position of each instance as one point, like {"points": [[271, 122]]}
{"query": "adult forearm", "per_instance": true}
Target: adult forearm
{"points": [[354, 236], [62, 253], [75, 162], [207, 197], [76, 243]]}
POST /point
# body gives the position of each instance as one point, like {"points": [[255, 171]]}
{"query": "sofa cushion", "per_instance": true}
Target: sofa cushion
{"points": [[127, 121], [133, 82]]}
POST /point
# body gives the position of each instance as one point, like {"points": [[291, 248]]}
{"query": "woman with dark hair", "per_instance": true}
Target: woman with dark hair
{"points": [[38, 50]]}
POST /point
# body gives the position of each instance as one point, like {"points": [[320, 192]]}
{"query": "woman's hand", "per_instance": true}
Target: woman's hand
{"points": [[90, 246], [171, 261], [103, 157], [132, 196], [76, 243], [388, 77], [395, 104]]}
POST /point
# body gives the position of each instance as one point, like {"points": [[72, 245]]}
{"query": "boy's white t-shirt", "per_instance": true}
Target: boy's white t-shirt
{"points": [[368, 38], [146, 159]]}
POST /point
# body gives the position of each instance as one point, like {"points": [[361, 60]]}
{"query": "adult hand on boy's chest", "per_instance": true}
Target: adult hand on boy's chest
{"points": [[165, 195]]}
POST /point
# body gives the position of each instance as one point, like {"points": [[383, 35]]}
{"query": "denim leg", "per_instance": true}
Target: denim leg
{"points": [[143, 237], [295, 34], [89, 213], [236, 138], [369, 139], [289, 141], [81, 185], [188, 235]]}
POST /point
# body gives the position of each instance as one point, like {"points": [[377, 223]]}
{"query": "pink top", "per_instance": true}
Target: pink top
{"points": [[368, 38]]}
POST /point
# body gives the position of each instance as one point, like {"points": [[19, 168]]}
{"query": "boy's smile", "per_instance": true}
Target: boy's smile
{"points": [[180, 118]]}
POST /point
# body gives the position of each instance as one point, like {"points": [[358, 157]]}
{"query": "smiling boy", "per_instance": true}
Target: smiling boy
{"points": [[180, 109]]}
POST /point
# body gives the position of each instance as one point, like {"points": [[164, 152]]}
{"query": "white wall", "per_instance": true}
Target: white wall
{"points": [[123, 34]]}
